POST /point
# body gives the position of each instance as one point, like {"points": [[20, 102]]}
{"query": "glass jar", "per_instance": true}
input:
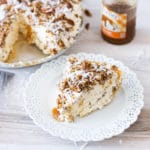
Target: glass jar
{"points": [[118, 20]]}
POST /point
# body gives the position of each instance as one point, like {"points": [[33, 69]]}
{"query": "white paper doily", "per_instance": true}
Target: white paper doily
{"points": [[41, 92]]}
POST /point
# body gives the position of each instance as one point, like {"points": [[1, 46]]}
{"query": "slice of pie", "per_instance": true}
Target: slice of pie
{"points": [[86, 87]]}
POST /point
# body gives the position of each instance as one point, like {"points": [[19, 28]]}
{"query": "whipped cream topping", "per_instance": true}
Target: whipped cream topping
{"points": [[80, 72], [80, 76], [3, 13]]}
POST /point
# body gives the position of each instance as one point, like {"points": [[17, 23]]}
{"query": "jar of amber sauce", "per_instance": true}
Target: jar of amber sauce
{"points": [[118, 21]]}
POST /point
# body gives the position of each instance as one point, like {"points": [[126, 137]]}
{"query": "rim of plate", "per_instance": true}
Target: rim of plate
{"points": [[120, 124]]}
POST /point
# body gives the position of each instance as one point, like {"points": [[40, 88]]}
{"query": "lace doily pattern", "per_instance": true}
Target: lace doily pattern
{"points": [[83, 131]]}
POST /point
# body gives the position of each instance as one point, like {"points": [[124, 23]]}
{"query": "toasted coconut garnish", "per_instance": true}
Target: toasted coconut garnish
{"points": [[84, 74]]}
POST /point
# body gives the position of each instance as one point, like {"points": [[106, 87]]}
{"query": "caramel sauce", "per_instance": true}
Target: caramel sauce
{"points": [[55, 113], [12, 56], [29, 33], [131, 23]]}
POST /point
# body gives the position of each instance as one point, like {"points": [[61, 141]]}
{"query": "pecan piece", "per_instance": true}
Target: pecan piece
{"points": [[87, 13], [72, 60], [3, 2], [87, 26]]}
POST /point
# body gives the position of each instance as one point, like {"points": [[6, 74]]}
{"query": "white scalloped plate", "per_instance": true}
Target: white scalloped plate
{"points": [[41, 92]]}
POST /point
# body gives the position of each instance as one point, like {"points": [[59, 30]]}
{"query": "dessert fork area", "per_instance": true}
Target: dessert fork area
{"points": [[17, 130]]}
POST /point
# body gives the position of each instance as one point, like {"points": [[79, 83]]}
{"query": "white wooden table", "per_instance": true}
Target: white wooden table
{"points": [[18, 132]]}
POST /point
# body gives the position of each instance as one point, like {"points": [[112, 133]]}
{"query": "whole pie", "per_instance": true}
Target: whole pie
{"points": [[86, 86], [52, 25]]}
